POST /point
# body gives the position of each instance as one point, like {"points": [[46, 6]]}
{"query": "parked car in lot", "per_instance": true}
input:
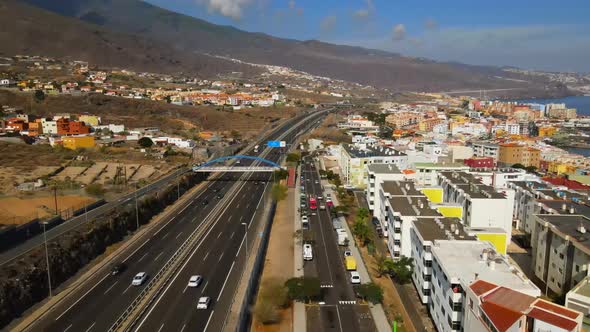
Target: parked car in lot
{"points": [[204, 302], [139, 279], [195, 281], [355, 277], [304, 218]]}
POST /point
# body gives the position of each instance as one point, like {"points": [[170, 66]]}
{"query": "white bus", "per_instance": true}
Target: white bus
{"points": [[307, 253]]}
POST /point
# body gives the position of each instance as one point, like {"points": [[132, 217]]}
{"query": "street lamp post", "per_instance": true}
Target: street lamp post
{"points": [[136, 208], [47, 260]]}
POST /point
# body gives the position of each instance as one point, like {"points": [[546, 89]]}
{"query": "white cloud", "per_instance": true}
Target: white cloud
{"points": [[229, 8], [398, 32]]}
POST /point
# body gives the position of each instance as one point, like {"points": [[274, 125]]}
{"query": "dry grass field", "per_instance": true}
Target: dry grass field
{"points": [[15, 210]]}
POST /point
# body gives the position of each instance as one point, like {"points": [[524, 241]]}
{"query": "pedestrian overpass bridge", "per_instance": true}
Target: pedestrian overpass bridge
{"points": [[219, 165]]}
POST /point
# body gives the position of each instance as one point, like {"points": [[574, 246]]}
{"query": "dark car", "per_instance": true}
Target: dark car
{"points": [[219, 196], [205, 202], [117, 268]]}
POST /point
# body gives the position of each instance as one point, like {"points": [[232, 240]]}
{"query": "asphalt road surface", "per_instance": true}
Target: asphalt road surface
{"points": [[218, 257], [340, 312]]}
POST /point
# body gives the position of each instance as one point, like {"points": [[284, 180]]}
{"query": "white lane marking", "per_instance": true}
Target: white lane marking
{"points": [[225, 282], [204, 287], [142, 257], [339, 319], [208, 320], [126, 289], [232, 235], [237, 206], [179, 234], [183, 326], [161, 327], [218, 235], [163, 237], [207, 254], [241, 218], [220, 257], [67, 328], [113, 285], [241, 243], [134, 251], [91, 326], [80, 299], [185, 287], [160, 254]]}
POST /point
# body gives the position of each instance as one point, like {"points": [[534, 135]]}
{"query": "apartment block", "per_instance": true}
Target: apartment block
{"points": [[579, 299], [491, 307], [427, 173], [376, 174], [485, 149], [561, 250], [455, 266], [422, 235], [355, 159], [512, 153], [483, 206]]}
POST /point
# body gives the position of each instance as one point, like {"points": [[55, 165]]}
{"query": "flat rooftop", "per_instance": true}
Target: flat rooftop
{"points": [[583, 288], [383, 169], [441, 229], [471, 185], [463, 260], [441, 165], [530, 186], [567, 225], [488, 144], [413, 206], [401, 188], [371, 151], [577, 208]]}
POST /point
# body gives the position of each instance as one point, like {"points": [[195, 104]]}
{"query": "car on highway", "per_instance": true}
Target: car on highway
{"points": [[317, 182], [204, 302], [355, 277], [320, 197], [139, 279], [205, 202], [347, 253], [195, 281], [329, 203], [219, 196], [322, 207], [304, 218], [117, 268], [307, 252]]}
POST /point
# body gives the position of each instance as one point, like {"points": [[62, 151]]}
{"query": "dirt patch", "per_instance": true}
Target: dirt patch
{"points": [[279, 260], [14, 210]]}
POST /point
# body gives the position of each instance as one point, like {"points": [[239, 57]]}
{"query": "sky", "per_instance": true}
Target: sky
{"points": [[531, 34]]}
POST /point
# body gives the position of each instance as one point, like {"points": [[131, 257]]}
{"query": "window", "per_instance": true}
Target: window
{"points": [[577, 268], [426, 291], [427, 277], [470, 303], [561, 256]]}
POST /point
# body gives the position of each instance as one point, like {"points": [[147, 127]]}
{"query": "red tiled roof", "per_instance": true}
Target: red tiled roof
{"points": [[509, 298], [501, 317], [552, 319], [480, 287], [548, 306]]}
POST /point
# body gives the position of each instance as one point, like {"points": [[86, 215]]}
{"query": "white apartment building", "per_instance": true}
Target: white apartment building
{"points": [[423, 233], [500, 177], [427, 173], [579, 299], [483, 206], [490, 307], [458, 264], [49, 126], [376, 174], [402, 205], [561, 250], [485, 149], [355, 159]]}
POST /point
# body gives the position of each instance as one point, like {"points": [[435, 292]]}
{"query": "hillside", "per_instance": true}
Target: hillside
{"points": [[181, 41], [26, 29]]}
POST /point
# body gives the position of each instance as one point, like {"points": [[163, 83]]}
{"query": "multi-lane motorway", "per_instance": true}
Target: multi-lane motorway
{"points": [[340, 311], [219, 257]]}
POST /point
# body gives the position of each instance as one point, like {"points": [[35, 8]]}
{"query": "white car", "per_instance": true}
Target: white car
{"points": [[322, 207], [307, 252], [304, 219], [195, 281], [355, 277], [139, 279], [204, 302]]}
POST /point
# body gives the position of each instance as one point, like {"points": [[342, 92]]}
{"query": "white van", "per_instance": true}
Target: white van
{"points": [[307, 253]]}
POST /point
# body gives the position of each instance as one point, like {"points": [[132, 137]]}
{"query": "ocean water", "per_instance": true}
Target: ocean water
{"points": [[581, 103]]}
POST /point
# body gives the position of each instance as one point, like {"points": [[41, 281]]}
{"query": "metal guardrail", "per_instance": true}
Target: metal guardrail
{"points": [[236, 169]]}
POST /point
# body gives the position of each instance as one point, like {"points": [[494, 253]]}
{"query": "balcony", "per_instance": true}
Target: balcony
{"points": [[397, 224], [397, 236]]}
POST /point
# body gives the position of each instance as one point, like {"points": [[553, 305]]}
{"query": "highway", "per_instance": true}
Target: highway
{"points": [[219, 257], [340, 312]]}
